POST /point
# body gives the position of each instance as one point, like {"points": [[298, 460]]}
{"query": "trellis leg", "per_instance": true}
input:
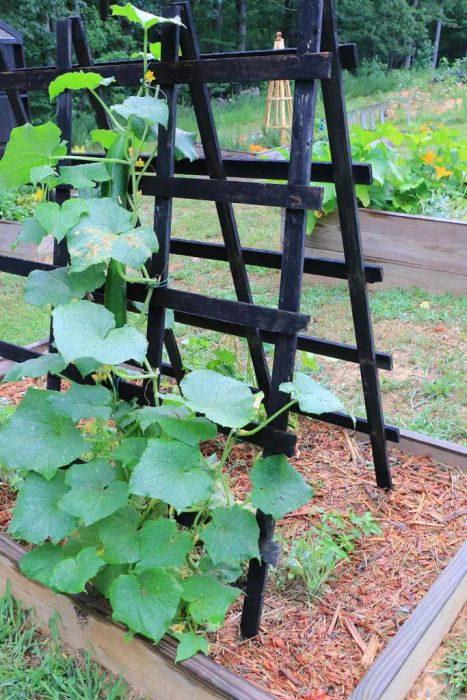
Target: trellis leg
{"points": [[64, 115], [14, 97], [170, 37], [309, 23], [203, 111], [334, 107]]}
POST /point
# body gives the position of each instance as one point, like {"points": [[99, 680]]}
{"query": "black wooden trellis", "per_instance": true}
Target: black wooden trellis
{"points": [[318, 57]]}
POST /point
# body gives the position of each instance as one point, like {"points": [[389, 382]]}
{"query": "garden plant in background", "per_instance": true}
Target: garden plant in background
{"points": [[103, 480]]}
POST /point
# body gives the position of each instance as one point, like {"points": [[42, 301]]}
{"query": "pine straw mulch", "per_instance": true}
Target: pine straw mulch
{"points": [[311, 654]]}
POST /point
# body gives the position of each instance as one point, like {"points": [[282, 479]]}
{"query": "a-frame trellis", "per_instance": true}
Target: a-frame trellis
{"points": [[318, 57]]}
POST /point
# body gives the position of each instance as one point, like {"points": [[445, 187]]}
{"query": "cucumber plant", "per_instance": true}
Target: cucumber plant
{"points": [[104, 480]]}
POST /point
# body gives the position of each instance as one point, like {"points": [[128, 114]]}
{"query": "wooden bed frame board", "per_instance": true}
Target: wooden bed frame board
{"points": [[397, 668], [86, 624]]}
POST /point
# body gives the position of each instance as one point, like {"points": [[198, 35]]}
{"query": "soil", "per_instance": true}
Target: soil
{"points": [[323, 649]]}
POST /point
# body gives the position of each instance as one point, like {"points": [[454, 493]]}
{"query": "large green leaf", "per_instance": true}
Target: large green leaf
{"points": [[39, 438], [144, 19], [232, 535], [208, 599], [146, 603], [29, 147], [277, 487], [175, 424], [148, 415], [40, 562], [78, 80], [163, 545], [224, 400], [85, 175], [84, 330], [130, 451], [31, 232], [37, 367], [58, 220], [105, 577], [92, 502], [37, 515], [61, 285], [151, 110], [171, 472], [106, 137], [120, 538], [185, 144], [71, 574], [106, 232], [97, 473], [312, 397], [189, 644], [84, 401]]}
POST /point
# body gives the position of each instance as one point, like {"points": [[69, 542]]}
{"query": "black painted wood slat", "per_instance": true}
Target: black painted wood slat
{"points": [[256, 193], [266, 169], [334, 106], [170, 42], [215, 167], [309, 34], [64, 118], [270, 67], [271, 259], [84, 56]]}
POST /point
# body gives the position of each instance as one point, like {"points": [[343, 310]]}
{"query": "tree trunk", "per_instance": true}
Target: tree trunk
{"points": [[410, 53], [241, 23], [439, 25], [103, 9], [218, 17]]}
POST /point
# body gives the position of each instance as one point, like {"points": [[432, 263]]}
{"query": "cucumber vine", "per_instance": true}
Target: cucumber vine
{"points": [[104, 480]]}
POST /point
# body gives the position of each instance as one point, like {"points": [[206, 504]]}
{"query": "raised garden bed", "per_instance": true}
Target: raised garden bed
{"points": [[298, 651], [416, 251], [9, 231]]}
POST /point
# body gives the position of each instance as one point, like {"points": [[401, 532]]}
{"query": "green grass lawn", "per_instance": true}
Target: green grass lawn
{"points": [[425, 332], [35, 666]]}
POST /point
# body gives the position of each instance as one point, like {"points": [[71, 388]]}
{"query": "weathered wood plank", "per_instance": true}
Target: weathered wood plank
{"points": [[398, 667], [87, 625], [415, 250]]}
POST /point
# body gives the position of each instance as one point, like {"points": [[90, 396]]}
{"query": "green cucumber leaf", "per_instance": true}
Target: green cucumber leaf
{"points": [[145, 19], [232, 535], [106, 137], [39, 438], [163, 545], [190, 644], [151, 110], [278, 488], [29, 147], [84, 401], [92, 502], [37, 515], [84, 330], [77, 80], [71, 574], [84, 175], [52, 363], [190, 431], [171, 472], [97, 473], [146, 603], [312, 397], [87, 365], [43, 174], [223, 572], [39, 563], [148, 415], [58, 220], [224, 400], [106, 232], [31, 232], [185, 144], [208, 599], [106, 576], [130, 451], [119, 536], [61, 285]]}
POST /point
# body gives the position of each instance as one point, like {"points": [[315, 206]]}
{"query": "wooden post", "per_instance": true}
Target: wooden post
{"points": [[279, 102]]}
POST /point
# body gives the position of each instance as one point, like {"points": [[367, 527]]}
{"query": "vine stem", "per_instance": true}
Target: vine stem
{"points": [[92, 159], [108, 111], [269, 419]]}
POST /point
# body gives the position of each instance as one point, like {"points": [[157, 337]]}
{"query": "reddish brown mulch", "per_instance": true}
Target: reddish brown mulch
{"points": [[311, 654]]}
